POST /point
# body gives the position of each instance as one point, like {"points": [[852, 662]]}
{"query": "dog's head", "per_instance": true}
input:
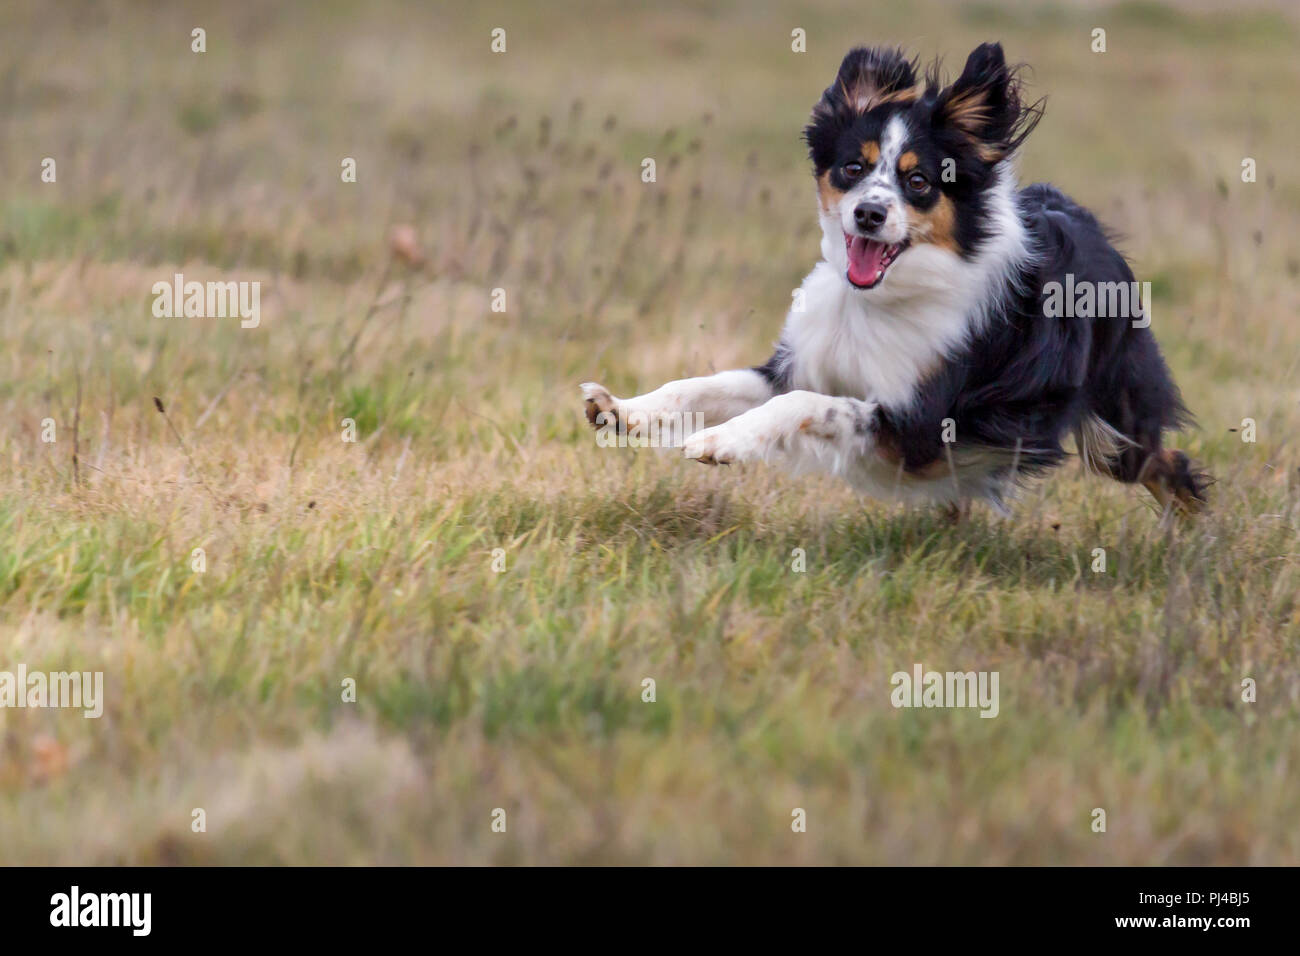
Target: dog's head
{"points": [[904, 168]]}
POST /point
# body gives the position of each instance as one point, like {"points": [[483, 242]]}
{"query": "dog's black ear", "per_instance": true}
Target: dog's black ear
{"points": [[866, 78], [984, 105]]}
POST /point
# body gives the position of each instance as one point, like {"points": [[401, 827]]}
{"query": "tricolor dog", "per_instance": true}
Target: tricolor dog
{"points": [[926, 364]]}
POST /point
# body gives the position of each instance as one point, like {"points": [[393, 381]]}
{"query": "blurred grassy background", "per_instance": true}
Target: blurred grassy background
{"points": [[522, 690]]}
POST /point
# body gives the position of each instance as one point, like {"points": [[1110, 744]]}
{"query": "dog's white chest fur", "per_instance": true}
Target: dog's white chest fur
{"points": [[882, 351], [881, 346]]}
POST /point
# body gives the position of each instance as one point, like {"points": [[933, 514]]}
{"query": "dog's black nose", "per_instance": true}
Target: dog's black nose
{"points": [[869, 215]]}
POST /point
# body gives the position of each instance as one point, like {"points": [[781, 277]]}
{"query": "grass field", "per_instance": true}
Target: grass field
{"points": [[521, 689]]}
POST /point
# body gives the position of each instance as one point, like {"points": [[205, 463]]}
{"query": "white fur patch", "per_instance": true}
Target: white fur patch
{"points": [[802, 430], [672, 409]]}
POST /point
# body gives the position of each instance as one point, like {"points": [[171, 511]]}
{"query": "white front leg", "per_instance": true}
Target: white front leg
{"points": [[678, 408], [802, 431]]}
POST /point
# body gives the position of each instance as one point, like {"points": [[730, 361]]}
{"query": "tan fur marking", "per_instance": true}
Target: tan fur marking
{"points": [[898, 96], [819, 430], [865, 95], [871, 151], [908, 162], [1159, 492], [937, 225], [827, 194], [935, 469], [889, 452], [1157, 477], [969, 112]]}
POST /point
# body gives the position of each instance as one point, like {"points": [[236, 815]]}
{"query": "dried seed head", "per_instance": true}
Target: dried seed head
{"points": [[405, 245]]}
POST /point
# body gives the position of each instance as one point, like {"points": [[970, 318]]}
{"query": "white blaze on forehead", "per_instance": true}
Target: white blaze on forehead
{"points": [[882, 184], [891, 143], [891, 147]]}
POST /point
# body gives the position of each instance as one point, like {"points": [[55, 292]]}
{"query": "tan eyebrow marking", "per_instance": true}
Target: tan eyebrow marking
{"points": [[871, 151], [908, 162]]}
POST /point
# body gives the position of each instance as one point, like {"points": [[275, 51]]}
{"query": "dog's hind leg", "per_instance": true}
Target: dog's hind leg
{"points": [[1169, 476], [1134, 403], [1167, 473]]}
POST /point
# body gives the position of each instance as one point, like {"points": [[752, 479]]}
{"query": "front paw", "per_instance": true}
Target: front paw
{"points": [[723, 445], [601, 406]]}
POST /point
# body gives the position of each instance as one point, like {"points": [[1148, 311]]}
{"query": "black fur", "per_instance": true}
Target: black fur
{"points": [[1029, 380]]}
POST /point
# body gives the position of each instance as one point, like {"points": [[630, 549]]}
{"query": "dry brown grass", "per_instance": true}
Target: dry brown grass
{"points": [[522, 690]]}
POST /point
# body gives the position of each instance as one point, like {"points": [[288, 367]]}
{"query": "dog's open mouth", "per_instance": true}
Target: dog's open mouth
{"points": [[868, 259]]}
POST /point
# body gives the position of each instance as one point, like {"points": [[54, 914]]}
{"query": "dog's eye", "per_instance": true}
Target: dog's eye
{"points": [[852, 170], [917, 183]]}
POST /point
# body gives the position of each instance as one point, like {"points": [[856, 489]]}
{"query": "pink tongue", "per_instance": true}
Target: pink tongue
{"points": [[864, 260]]}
